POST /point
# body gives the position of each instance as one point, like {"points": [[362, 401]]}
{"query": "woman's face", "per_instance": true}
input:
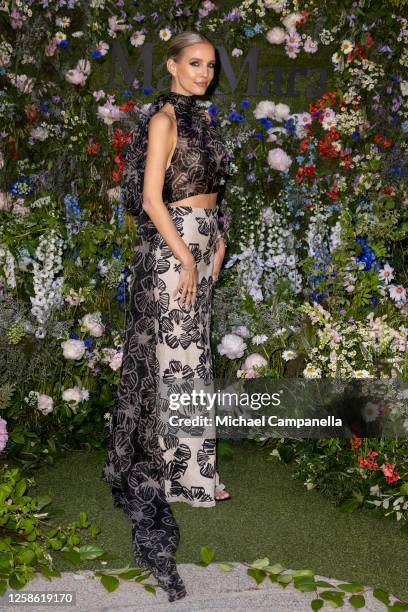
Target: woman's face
{"points": [[194, 69]]}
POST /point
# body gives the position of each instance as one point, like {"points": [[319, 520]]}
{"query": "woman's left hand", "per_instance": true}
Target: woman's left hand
{"points": [[218, 258]]}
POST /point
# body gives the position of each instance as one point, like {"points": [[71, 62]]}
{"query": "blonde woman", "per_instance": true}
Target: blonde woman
{"points": [[174, 169]]}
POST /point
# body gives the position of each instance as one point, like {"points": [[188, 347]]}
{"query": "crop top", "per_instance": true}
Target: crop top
{"points": [[198, 163]]}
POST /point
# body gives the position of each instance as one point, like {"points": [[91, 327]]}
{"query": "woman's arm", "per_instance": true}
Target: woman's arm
{"points": [[160, 143]]}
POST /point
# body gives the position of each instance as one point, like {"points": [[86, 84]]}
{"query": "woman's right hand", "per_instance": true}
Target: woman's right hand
{"points": [[187, 285]]}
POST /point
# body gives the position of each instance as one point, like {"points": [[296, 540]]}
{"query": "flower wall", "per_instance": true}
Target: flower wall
{"points": [[314, 281]]}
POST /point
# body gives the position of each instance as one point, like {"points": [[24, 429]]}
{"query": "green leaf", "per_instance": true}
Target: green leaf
{"points": [[21, 487], [350, 505], [332, 596], [150, 588], [43, 501], [18, 438], [352, 587], [73, 556], [90, 551], [226, 567], [317, 604], [305, 584], [357, 601], [260, 563], [131, 573], [382, 596], [404, 488], [324, 584], [284, 578], [206, 555], [277, 568], [3, 586], [110, 583], [258, 575], [83, 519], [302, 572], [26, 556]]}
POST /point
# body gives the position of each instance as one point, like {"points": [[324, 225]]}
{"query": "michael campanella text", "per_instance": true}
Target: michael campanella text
{"points": [[242, 421]]}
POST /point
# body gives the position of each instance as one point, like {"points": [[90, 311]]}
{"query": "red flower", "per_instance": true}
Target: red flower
{"points": [[387, 142], [128, 106], [378, 138], [372, 454], [333, 193], [390, 479], [356, 442], [368, 40], [93, 148]]}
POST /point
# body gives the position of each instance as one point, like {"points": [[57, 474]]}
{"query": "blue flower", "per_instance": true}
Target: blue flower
{"points": [[73, 336], [244, 103], [96, 53], [233, 116], [63, 44], [356, 135], [249, 32], [88, 341], [44, 106], [257, 28], [22, 186], [147, 90], [300, 159], [267, 123], [212, 110], [128, 93], [258, 135], [404, 126], [116, 253]]}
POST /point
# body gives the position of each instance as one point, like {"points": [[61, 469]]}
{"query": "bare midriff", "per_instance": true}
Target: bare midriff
{"points": [[203, 200]]}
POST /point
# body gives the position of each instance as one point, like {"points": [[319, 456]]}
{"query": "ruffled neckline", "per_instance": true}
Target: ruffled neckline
{"points": [[181, 101]]}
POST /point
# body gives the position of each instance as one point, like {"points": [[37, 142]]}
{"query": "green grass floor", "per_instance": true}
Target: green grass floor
{"points": [[271, 515]]}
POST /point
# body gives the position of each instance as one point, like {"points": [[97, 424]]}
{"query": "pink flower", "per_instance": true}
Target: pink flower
{"points": [[3, 434]]}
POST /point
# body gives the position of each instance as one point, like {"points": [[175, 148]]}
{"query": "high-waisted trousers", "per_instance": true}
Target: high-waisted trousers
{"points": [[165, 340]]}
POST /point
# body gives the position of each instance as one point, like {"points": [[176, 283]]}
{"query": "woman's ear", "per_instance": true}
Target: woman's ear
{"points": [[171, 66]]}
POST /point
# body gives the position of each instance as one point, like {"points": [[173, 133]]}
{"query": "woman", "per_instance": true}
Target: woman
{"points": [[174, 168]]}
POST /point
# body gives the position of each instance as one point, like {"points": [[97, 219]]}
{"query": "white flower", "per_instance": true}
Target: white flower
{"points": [[276, 36], [304, 119], [265, 108], [102, 47], [289, 355], [281, 111], [44, 403], [290, 20], [241, 330], [386, 274], [279, 160], [232, 346], [109, 113], [311, 372], [92, 324], [115, 24], [336, 58], [75, 395], [236, 52], [165, 34], [137, 39], [397, 293], [370, 412], [346, 47], [310, 46], [361, 374], [75, 77], [276, 5], [404, 88], [255, 360], [116, 360], [39, 133], [84, 66], [73, 349], [260, 339]]}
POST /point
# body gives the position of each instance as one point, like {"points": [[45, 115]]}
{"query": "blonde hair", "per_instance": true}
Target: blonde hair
{"points": [[185, 39]]}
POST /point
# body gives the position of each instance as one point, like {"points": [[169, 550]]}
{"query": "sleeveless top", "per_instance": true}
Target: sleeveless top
{"points": [[198, 163]]}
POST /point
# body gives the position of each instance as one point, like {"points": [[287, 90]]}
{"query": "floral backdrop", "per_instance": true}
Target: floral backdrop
{"points": [[314, 282]]}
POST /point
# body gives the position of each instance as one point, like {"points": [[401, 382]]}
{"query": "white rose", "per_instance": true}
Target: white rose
{"points": [[92, 324], [232, 346], [73, 349], [75, 77], [73, 394], [265, 108], [290, 20], [253, 361], [279, 160], [276, 36], [282, 111], [44, 403], [242, 331], [39, 133], [116, 361]]}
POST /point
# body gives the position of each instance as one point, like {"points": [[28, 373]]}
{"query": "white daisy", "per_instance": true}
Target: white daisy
{"points": [[165, 34]]}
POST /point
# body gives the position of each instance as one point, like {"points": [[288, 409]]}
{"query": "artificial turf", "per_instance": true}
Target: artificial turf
{"points": [[271, 515]]}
